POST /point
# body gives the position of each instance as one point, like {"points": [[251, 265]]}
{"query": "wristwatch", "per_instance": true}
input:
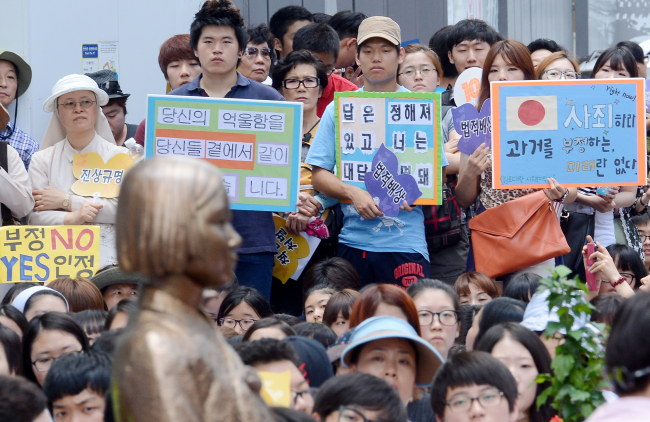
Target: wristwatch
{"points": [[564, 197], [66, 201]]}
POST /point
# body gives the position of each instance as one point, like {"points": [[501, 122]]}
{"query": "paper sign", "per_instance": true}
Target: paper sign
{"points": [[276, 388], [468, 87], [44, 253], [255, 143], [405, 123], [390, 188], [584, 133], [473, 126], [294, 251], [96, 176]]}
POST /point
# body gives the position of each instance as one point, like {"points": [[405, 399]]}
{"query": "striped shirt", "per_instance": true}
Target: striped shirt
{"points": [[21, 142]]}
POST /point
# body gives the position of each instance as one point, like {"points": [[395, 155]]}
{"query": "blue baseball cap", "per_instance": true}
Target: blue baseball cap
{"points": [[379, 328]]}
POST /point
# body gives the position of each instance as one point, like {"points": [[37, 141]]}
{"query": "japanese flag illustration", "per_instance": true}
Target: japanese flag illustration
{"points": [[531, 113]]}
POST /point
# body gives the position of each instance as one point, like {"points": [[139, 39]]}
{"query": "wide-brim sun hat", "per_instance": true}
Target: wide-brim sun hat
{"points": [[379, 328], [73, 83], [114, 275], [22, 68]]}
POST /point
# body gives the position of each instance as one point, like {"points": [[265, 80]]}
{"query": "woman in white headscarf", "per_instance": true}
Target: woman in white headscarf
{"points": [[77, 126]]}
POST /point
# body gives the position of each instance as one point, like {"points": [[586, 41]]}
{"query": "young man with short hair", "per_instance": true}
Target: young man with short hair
{"points": [[474, 386], [76, 385], [218, 38], [541, 48], [277, 356], [346, 24], [469, 43], [285, 23], [382, 249], [322, 41]]}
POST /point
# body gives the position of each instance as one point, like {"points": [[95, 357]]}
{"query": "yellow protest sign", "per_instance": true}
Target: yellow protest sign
{"points": [[44, 253], [96, 176], [276, 388], [290, 248]]}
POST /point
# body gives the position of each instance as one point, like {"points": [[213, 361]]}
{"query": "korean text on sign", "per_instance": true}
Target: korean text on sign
{"points": [[256, 144], [582, 133], [42, 254]]}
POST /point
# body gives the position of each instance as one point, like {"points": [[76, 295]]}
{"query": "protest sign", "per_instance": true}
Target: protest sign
{"points": [[276, 388], [96, 176], [581, 133], [405, 123], [44, 253], [468, 86], [255, 143], [294, 251], [473, 126]]}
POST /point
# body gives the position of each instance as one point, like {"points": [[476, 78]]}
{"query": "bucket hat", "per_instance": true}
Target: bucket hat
{"points": [[22, 68]]}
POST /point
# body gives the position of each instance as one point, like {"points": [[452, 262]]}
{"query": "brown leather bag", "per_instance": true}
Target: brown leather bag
{"points": [[516, 235]]}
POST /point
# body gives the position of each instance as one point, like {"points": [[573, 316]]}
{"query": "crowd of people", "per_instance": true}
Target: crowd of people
{"points": [[384, 324]]}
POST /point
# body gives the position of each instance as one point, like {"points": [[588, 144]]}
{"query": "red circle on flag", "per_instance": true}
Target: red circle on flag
{"points": [[531, 112]]}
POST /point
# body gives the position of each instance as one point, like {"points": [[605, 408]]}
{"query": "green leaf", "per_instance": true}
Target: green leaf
{"points": [[577, 335], [562, 366], [586, 409], [577, 395], [562, 271]]}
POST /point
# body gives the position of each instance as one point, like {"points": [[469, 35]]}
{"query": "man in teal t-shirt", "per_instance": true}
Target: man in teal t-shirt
{"points": [[382, 249]]}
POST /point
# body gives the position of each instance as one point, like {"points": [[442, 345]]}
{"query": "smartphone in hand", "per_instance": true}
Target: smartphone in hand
{"points": [[591, 278]]}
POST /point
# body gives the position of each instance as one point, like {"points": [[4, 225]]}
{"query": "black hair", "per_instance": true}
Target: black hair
{"points": [[472, 29], [606, 307], [285, 414], [107, 342], [346, 23], [438, 43], [236, 340], [500, 310], [317, 38], [218, 13], [641, 219], [20, 400], [336, 272], [426, 283], [33, 298], [91, 320], [467, 369], [260, 34], [466, 317], [121, 102], [15, 315], [128, 306], [245, 294], [325, 287], [285, 17], [538, 352], [268, 323], [620, 58], [398, 48], [266, 350], [321, 17], [293, 59], [360, 390], [15, 290], [319, 332], [628, 350], [71, 374], [545, 44], [49, 321], [522, 286], [289, 319], [12, 347], [635, 49], [627, 259]]}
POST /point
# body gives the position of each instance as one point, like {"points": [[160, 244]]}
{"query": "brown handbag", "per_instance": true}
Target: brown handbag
{"points": [[516, 235]]}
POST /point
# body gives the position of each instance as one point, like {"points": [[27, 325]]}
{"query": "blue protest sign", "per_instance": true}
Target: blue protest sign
{"points": [[474, 128]]}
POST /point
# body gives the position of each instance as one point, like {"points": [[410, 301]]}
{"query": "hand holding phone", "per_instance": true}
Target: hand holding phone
{"points": [[591, 278]]}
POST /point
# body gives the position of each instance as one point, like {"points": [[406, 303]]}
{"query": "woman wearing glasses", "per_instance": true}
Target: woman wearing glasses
{"points": [[438, 309], [77, 126], [258, 55], [242, 308], [558, 66]]}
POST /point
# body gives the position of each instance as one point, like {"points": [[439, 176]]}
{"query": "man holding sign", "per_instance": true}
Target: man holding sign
{"points": [[382, 249], [218, 38]]}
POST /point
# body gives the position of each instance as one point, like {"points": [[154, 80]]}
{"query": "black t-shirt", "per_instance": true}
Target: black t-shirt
{"points": [[420, 410]]}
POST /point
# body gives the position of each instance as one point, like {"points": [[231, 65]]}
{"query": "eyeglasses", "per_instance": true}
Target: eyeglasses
{"points": [[348, 414], [425, 71], [45, 364], [295, 83], [646, 59], [487, 399], [624, 379], [644, 237], [71, 105], [445, 317], [245, 324], [629, 278], [252, 52], [300, 394], [557, 74]]}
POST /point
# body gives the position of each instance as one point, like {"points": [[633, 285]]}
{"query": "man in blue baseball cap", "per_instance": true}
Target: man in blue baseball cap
{"points": [[389, 348]]}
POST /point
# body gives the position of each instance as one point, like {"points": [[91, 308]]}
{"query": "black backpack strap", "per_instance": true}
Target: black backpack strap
{"points": [[4, 162]]}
